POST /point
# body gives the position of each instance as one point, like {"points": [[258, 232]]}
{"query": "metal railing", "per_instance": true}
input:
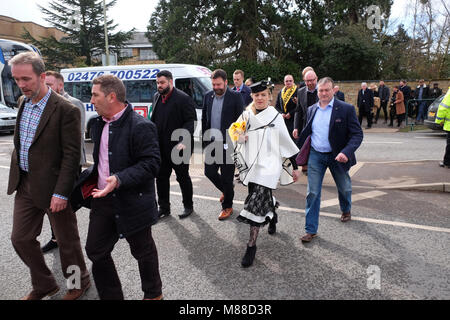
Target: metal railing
{"points": [[418, 101]]}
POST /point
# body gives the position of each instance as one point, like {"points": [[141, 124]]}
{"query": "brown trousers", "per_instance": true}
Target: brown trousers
{"points": [[27, 226]]}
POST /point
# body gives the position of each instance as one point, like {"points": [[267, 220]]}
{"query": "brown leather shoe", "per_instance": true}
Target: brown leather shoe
{"points": [[74, 294], [160, 297], [34, 295], [225, 213], [346, 216], [308, 237], [222, 197]]}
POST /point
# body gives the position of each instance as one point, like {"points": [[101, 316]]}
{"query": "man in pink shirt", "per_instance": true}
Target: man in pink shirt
{"points": [[126, 162]]}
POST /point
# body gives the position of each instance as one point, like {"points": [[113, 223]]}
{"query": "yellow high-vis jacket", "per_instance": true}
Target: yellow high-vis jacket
{"points": [[443, 113]]}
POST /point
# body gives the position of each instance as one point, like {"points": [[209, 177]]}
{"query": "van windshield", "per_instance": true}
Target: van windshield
{"points": [[137, 90], [195, 87], [11, 91]]}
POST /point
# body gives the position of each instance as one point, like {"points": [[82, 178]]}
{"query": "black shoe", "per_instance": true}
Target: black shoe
{"points": [[368, 127], [49, 246], [249, 256], [441, 164], [390, 125], [163, 213], [273, 225], [186, 213]]}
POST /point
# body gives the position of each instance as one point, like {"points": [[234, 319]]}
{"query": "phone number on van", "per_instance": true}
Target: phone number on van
{"points": [[139, 74]]}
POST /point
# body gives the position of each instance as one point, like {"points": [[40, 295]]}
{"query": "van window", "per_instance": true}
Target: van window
{"points": [[79, 90], [192, 87], [137, 91], [140, 91]]}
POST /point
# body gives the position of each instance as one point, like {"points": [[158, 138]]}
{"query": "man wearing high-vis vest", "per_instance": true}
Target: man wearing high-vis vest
{"points": [[443, 118]]}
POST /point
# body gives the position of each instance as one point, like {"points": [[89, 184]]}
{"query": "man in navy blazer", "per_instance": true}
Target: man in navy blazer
{"points": [[221, 107], [339, 94], [335, 135], [239, 86]]}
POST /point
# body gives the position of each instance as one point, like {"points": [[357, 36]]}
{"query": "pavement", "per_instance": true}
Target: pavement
{"points": [[417, 175], [395, 247]]}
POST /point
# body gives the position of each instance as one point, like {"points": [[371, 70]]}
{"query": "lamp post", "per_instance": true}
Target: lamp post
{"points": [[106, 34]]}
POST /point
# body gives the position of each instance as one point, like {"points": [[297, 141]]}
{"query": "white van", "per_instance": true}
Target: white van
{"points": [[140, 82]]}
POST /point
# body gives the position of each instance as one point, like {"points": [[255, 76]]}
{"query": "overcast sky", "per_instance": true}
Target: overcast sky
{"points": [[127, 13]]}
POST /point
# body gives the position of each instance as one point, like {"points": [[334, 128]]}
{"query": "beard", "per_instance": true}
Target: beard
{"points": [[164, 91], [35, 94], [219, 92]]}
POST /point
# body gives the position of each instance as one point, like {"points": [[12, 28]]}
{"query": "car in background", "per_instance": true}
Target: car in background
{"points": [[7, 118], [432, 111]]}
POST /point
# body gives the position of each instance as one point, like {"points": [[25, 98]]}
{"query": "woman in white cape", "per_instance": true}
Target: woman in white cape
{"points": [[261, 152]]}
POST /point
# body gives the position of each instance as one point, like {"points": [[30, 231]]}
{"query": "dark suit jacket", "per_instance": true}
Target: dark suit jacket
{"points": [[245, 93], [435, 92], [302, 108], [182, 115], [54, 154], [340, 95], [406, 92], [290, 108], [233, 106], [345, 133], [383, 93], [365, 100], [135, 160], [425, 93]]}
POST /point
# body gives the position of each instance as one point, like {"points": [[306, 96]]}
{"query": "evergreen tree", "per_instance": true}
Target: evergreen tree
{"points": [[82, 21]]}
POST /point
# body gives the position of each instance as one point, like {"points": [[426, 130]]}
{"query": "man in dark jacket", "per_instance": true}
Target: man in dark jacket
{"points": [[287, 102], [365, 104], [174, 115], [422, 92], [384, 94], [338, 94], [406, 90], [306, 97], [126, 162], [335, 137], [239, 86], [221, 107], [435, 92]]}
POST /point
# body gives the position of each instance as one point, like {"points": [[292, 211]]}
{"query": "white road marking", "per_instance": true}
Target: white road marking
{"points": [[382, 142], [401, 161], [338, 216], [354, 169], [355, 197], [332, 202]]}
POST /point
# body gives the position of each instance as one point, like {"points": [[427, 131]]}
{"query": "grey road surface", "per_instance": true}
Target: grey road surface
{"points": [[396, 246]]}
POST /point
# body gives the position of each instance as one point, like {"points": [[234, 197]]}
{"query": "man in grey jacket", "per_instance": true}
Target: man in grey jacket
{"points": [[55, 81]]}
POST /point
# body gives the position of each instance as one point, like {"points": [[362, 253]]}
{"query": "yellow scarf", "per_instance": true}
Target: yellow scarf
{"points": [[286, 95]]}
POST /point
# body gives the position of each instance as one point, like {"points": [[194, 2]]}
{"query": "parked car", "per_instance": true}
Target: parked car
{"points": [[7, 118], [432, 110]]}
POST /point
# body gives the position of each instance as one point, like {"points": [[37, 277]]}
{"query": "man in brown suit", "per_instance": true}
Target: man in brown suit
{"points": [[44, 168]]}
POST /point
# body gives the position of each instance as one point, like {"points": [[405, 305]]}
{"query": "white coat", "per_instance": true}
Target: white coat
{"points": [[267, 147]]}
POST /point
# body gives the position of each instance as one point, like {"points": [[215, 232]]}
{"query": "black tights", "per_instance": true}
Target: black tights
{"points": [[254, 231]]}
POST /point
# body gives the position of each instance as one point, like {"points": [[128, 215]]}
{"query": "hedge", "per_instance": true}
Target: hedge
{"points": [[275, 69]]}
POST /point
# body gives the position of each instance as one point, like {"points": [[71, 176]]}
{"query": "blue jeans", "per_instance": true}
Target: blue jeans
{"points": [[421, 111], [317, 165]]}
